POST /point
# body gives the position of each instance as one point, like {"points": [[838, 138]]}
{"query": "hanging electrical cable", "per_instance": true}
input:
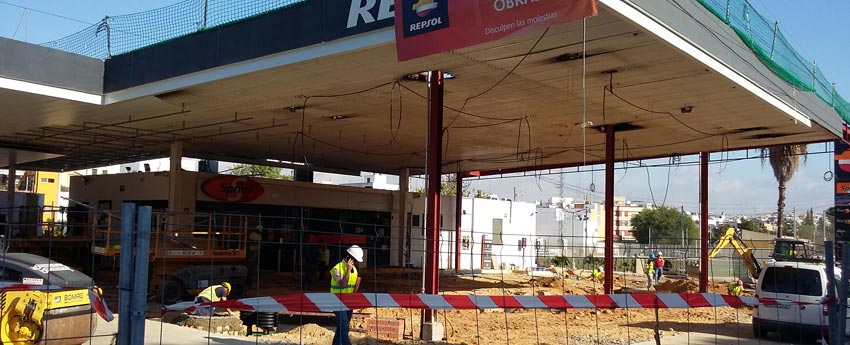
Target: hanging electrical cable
{"points": [[828, 175], [584, 122]]}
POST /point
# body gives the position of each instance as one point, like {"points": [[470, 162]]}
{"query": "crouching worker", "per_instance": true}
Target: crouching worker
{"points": [[597, 273], [213, 293], [344, 280], [736, 288]]}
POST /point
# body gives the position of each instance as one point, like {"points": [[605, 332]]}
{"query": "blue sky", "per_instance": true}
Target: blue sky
{"points": [[817, 28]]}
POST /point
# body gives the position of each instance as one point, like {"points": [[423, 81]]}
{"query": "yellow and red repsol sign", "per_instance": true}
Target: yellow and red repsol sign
{"points": [[233, 189]]}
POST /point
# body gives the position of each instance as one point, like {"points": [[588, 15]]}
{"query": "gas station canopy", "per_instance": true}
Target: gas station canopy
{"points": [[670, 77]]}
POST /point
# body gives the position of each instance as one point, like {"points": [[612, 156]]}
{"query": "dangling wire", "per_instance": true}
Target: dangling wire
{"points": [[828, 175], [584, 122]]}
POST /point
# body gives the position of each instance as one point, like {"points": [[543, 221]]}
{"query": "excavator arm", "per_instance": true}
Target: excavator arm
{"points": [[723, 242], [746, 253]]}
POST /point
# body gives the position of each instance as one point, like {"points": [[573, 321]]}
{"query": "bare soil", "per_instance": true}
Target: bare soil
{"points": [[519, 326]]}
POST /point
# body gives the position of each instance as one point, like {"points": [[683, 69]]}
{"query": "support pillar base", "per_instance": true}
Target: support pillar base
{"points": [[433, 331]]}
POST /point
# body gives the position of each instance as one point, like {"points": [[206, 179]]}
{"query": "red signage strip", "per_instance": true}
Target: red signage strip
{"points": [[338, 239], [425, 27], [233, 189]]}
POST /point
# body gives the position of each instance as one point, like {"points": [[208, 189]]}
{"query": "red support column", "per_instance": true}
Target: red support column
{"points": [[458, 218], [609, 209], [434, 161], [703, 221]]}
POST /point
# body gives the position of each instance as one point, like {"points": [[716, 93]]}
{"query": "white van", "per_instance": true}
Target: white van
{"points": [[795, 281]]}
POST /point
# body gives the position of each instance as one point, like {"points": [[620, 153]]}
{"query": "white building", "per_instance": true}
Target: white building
{"points": [[374, 181], [567, 231], [495, 234]]}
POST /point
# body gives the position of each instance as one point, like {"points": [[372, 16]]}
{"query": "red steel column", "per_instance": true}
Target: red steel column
{"points": [[609, 209], [458, 218], [434, 158], [703, 221]]}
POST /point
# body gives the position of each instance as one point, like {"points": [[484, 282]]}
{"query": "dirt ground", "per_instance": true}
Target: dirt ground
{"points": [[498, 326]]}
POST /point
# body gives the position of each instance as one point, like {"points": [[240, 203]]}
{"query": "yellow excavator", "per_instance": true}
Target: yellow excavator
{"points": [[784, 249], [44, 302]]}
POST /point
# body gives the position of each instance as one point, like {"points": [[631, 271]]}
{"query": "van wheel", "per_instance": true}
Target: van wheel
{"points": [[758, 332]]}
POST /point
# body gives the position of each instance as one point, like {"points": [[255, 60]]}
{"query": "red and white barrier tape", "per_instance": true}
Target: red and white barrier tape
{"points": [[328, 302]]}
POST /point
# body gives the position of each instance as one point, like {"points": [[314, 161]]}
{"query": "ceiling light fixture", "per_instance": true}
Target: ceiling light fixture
{"points": [[337, 117]]}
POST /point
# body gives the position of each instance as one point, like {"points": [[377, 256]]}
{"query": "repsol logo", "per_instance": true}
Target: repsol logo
{"points": [[233, 188], [369, 11], [426, 24]]}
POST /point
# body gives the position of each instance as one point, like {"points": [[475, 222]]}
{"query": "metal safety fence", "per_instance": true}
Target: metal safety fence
{"points": [[509, 272]]}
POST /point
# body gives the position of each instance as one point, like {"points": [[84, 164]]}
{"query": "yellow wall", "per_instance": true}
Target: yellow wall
{"points": [[47, 183]]}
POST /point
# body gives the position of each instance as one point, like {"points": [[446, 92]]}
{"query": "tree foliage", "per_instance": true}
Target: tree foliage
{"points": [[810, 217], [784, 161], [806, 231], [448, 187], [748, 224], [260, 171], [665, 225]]}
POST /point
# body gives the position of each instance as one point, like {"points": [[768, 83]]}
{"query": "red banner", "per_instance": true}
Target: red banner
{"points": [[425, 27], [233, 189]]}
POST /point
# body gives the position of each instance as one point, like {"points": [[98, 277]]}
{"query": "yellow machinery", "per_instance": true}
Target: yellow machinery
{"points": [[44, 302], [784, 249], [746, 253], [183, 246], [38, 317]]}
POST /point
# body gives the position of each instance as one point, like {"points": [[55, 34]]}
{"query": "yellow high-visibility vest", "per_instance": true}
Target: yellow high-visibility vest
{"points": [[649, 267], [352, 279], [735, 290], [209, 293], [253, 239]]}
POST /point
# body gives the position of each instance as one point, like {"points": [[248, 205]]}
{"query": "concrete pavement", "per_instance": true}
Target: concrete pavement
{"points": [[172, 335]]}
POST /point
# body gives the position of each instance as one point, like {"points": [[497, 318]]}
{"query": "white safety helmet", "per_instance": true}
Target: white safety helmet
{"points": [[356, 252], [658, 254]]}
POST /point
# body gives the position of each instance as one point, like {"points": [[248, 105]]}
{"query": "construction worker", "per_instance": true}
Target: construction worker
{"points": [[325, 261], [254, 239], [212, 293], [649, 270], [736, 288], [597, 273], [344, 280], [659, 267]]}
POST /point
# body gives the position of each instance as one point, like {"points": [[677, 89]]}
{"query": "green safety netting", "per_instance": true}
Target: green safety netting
{"points": [[125, 33], [768, 43]]}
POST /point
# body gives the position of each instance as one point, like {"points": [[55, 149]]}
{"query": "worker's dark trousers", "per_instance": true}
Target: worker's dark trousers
{"points": [[203, 311], [343, 319]]}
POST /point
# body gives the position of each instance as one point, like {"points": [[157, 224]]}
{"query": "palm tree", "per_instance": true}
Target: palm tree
{"points": [[784, 161]]}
